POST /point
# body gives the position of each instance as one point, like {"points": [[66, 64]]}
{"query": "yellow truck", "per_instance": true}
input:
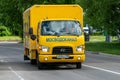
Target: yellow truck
{"points": [[54, 34]]}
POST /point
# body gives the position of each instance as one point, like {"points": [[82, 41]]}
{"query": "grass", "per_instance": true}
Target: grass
{"points": [[100, 38], [98, 44], [10, 38], [97, 38]]}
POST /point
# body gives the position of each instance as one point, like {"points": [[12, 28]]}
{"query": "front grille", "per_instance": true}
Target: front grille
{"points": [[62, 50], [60, 58]]}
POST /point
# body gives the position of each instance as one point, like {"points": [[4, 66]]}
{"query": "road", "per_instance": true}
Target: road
{"points": [[96, 67]]}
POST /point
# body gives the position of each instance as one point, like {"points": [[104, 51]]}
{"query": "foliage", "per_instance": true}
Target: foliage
{"points": [[11, 12], [103, 14], [4, 31]]}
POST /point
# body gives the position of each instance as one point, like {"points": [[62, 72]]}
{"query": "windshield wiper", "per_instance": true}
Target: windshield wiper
{"points": [[48, 34], [74, 34]]}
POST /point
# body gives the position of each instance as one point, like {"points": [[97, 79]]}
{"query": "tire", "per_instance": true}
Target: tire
{"points": [[26, 52], [26, 58], [39, 64], [33, 61], [79, 65]]}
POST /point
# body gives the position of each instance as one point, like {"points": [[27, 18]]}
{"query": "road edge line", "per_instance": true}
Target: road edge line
{"points": [[16, 73], [106, 70]]}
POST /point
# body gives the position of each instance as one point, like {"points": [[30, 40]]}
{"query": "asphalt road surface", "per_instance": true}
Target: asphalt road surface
{"points": [[96, 67]]}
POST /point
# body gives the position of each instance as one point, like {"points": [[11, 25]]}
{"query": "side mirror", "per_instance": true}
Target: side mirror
{"points": [[30, 30], [33, 37]]}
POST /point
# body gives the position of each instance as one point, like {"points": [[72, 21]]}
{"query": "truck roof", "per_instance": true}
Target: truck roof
{"points": [[57, 8], [39, 13], [75, 5]]}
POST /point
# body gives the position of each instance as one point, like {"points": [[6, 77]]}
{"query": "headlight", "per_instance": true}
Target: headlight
{"points": [[79, 48], [45, 49]]}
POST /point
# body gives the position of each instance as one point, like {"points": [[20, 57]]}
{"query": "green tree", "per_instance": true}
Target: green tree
{"points": [[102, 14], [11, 12]]}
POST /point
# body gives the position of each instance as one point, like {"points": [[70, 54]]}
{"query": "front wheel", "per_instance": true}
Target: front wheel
{"points": [[26, 58], [39, 64], [33, 61], [79, 65]]}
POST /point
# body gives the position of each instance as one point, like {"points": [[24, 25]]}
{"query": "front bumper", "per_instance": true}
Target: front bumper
{"points": [[53, 58]]}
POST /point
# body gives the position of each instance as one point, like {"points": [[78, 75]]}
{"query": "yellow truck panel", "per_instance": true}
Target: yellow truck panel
{"points": [[54, 34]]}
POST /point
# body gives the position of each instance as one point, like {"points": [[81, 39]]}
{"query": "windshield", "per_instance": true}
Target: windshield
{"points": [[61, 28]]}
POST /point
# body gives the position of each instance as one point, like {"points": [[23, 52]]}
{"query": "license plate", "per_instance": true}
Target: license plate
{"points": [[62, 56]]}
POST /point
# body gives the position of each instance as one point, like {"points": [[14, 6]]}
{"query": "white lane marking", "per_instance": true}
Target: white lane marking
{"points": [[11, 47], [3, 61], [106, 70], [16, 73]]}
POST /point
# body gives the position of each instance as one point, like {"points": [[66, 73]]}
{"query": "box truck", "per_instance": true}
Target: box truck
{"points": [[54, 34]]}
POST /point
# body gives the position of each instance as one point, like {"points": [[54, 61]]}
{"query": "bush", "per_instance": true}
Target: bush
{"points": [[4, 31]]}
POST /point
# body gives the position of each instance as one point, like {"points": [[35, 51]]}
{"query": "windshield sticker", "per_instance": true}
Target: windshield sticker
{"points": [[60, 39]]}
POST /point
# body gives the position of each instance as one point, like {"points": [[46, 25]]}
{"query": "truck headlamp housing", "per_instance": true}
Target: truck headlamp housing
{"points": [[45, 49], [79, 48]]}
